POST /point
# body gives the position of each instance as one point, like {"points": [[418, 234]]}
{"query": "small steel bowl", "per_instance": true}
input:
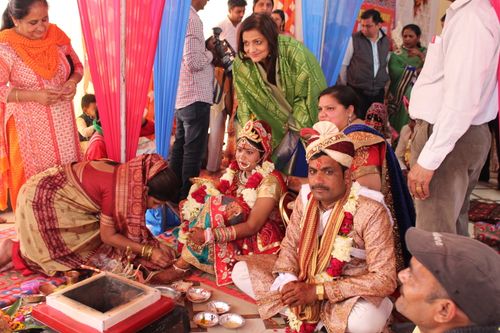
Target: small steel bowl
{"points": [[169, 292], [231, 320], [206, 319], [198, 294], [218, 307]]}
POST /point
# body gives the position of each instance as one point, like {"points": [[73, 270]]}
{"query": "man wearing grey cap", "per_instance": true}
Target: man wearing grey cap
{"points": [[452, 284]]}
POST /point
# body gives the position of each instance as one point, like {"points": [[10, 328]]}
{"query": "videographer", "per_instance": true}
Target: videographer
{"points": [[222, 108]]}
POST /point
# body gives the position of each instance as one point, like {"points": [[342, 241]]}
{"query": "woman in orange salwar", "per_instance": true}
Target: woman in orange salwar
{"points": [[39, 72]]}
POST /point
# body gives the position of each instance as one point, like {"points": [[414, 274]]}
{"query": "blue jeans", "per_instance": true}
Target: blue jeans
{"points": [[190, 143]]}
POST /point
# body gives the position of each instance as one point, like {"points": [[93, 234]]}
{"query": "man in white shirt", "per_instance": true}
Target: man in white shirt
{"points": [[454, 98], [220, 111], [364, 67], [229, 26]]}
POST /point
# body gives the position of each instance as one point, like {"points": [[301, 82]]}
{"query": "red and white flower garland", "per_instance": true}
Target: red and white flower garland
{"points": [[196, 198]]}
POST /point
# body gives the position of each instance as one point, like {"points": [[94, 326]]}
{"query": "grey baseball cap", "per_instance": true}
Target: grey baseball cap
{"points": [[467, 269]]}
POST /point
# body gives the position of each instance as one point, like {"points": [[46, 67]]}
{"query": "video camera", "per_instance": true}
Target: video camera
{"points": [[224, 53]]}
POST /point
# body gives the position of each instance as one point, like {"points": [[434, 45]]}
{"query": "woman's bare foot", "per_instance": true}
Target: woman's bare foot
{"points": [[5, 254]]}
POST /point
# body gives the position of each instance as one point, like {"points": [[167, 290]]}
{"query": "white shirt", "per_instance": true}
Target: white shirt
{"points": [[229, 32], [457, 87], [350, 51]]}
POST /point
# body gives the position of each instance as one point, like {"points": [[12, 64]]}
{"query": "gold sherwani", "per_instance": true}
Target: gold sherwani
{"points": [[371, 278]]}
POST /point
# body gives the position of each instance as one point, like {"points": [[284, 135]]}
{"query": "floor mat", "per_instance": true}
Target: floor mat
{"points": [[11, 281], [484, 211], [230, 289]]}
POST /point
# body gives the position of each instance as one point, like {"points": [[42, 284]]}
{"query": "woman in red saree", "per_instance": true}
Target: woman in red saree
{"points": [[90, 213], [239, 216]]}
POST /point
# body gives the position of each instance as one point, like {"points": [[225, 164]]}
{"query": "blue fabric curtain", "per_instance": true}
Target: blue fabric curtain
{"points": [[313, 13], [327, 26], [166, 69]]}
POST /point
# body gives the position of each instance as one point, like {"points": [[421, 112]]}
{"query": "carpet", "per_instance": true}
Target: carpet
{"points": [[209, 280], [484, 211], [11, 281]]}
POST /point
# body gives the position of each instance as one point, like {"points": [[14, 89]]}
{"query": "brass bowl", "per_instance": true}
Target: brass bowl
{"points": [[35, 298], [47, 288]]}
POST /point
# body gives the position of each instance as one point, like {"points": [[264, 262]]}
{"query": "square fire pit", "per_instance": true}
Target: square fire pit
{"points": [[104, 300]]}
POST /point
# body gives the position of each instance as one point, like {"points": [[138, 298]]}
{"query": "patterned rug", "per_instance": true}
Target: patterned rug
{"points": [[11, 281], [484, 211], [486, 218]]}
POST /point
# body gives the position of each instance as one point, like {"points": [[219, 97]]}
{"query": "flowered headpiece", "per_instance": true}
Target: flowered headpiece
{"points": [[326, 137], [257, 131], [376, 117]]}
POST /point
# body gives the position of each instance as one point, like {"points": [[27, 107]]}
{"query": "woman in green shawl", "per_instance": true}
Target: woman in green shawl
{"points": [[404, 66], [278, 80]]}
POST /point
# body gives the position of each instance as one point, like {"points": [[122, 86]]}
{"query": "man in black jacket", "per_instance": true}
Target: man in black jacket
{"points": [[364, 67]]}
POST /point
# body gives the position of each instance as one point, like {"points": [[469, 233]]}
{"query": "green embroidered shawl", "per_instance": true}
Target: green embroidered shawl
{"points": [[299, 77]]}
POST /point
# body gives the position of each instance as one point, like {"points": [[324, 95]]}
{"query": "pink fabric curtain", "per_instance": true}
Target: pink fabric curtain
{"points": [[101, 29]]}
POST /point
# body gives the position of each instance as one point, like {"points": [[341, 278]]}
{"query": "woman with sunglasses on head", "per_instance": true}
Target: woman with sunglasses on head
{"points": [[278, 80]]}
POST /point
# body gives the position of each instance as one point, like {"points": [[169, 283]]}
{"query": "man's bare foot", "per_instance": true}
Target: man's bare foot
{"points": [[5, 254]]}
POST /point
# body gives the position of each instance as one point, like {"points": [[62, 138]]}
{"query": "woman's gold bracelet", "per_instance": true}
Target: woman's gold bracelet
{"points": [[150, 252], [142, 250]]}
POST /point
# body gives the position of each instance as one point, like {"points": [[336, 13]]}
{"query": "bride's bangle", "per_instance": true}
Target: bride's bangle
{"points": [[209, 235]]}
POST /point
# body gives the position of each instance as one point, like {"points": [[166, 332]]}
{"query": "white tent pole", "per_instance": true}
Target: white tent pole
{"points": [[323, 33], [123, 100]]}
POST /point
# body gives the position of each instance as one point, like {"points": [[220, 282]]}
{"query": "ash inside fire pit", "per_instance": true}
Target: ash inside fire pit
{"points": [[104, 294]]}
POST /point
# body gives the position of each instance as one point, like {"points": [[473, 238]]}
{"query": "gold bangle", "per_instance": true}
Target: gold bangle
{"points": [[320, 291], [150, 252], [17, 96], [142, 251]]}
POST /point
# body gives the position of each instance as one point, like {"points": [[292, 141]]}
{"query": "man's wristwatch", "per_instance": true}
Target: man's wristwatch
{"points": [[320, 291]]}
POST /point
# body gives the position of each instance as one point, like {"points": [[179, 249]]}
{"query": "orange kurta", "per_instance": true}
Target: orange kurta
{"points": [[47, 135]]}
